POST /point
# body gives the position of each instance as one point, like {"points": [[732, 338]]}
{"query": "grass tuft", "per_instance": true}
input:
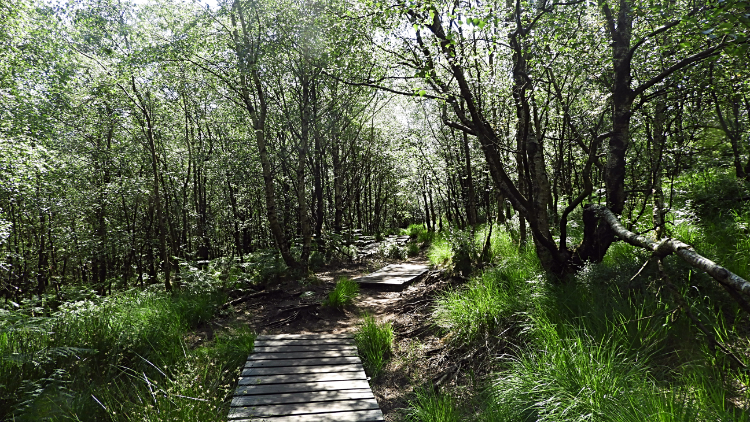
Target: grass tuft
{"points": [[433, 406], [374, 342], [343, 294]]}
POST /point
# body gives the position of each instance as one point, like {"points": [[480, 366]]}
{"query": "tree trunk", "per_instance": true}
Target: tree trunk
{"points": [[248, 69]]}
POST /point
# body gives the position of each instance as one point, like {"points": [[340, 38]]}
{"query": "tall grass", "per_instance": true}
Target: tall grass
{"points": [[602, 346], [343, 294], [118, 358], [490, 300], [429, 405], [374, 342], [420, 234]]}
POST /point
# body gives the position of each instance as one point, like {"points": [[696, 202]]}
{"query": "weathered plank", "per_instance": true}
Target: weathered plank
{"points": [[300, 387], [302, 336], [305, 397], [304, 378], [393, 275], [290, 378], [296, 342], [303, 355], [303, 408], [355, 416], [341, 360], [281, 370], [306, 348]]}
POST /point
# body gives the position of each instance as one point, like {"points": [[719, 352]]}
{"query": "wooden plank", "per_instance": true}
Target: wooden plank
{"points": [[281, 370], [356, 416], [290, 378], [304, 378], [341, 360], [246, 390], [303, 355], [303, 408], [296, 342], [394, 275], [302, 336], [310, 396], [306, 348]]}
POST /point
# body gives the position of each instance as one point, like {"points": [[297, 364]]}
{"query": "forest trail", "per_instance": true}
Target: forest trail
{"points": [[330, 371]]}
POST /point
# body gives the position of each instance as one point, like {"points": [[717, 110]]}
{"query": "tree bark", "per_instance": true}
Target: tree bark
{"points": [[673, 246], [248, 70]]}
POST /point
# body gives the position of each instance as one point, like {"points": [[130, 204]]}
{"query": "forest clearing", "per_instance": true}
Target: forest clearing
{"points": [[518, 210]]}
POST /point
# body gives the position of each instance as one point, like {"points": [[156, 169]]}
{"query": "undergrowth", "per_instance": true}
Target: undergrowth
{"points": [[122, 357], [604, 345]]}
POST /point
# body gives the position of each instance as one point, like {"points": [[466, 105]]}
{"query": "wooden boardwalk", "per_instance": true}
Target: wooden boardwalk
{"points": [[304, 377], [394, 276]]}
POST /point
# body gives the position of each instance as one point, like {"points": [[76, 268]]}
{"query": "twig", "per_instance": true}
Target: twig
{"points": [[283, 321], [243, 299]]}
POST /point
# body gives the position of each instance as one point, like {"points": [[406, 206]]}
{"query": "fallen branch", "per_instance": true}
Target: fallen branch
{"points": [[669, 246], [280, 322], [243, 299], [686, 308]]}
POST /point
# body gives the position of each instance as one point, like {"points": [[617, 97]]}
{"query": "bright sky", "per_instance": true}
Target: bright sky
{"points": [[211, 3]]}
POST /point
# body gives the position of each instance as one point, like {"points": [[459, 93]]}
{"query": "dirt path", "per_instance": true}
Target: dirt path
{"points": [[294, 308]]}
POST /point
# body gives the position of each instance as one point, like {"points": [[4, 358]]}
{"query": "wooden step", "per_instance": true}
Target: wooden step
{"points": [[304, 377]]}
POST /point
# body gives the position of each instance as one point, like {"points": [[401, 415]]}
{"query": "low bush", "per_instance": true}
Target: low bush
{"points": [[394, 251], [420, 234], [343, 294], [374, 342], [317, 260]]}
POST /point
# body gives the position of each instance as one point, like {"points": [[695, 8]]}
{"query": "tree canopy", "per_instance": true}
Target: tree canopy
{"points": [[135, 137]]}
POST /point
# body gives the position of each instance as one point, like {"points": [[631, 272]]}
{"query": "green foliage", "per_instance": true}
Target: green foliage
{"points": [[265, 267], [601, 346], [487, 304], [192, 389], [440, 252], [394, 251], [713, 192], [343, 294], [420, 234], [462, 251], [429, 405], [566, 378], [317, 260], [412, 249], [59, 362], [374, 342]]}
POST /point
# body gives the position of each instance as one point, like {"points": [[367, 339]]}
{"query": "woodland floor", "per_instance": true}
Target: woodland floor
{"points": [[420, 356]]}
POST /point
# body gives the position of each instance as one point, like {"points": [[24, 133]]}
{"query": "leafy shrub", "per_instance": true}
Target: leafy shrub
{"points": [[420, 234], [374, 341], [465, 251], [317, 260], [716, 191], [343, 294], [394, 251]]}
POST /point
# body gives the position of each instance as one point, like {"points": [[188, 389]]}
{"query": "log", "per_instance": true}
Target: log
{"points": [[670, 246]]}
